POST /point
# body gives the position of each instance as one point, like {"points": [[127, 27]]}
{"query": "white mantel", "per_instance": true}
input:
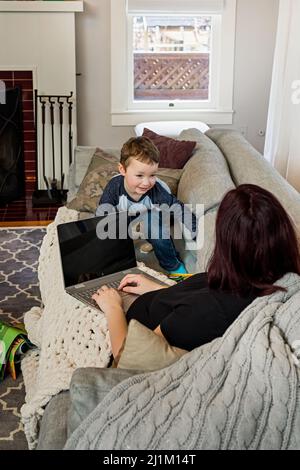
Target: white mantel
{"points": [[41, 6], [40, 36]]}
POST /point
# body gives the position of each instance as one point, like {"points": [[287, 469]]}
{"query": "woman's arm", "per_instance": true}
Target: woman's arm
{"points": [[117, 326], [158, 332], [110, 303]]}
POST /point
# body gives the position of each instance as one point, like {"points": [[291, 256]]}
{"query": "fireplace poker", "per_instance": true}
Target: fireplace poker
{"points": [[43, 103], [70, 126], [61, 121], [54, 181]]}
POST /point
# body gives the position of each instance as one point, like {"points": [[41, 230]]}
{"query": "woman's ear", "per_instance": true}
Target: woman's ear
{"points": [[121, 168]]}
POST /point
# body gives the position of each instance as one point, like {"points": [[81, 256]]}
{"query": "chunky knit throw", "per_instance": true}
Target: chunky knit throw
{"points": [[68, 334], [240, 391]]}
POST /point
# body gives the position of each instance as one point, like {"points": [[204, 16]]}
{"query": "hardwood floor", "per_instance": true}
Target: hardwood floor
{"points": [[21, 213], [34, 223]]}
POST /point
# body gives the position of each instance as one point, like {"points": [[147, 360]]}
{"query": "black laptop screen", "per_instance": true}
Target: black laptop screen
{"points": [[84, 256]]}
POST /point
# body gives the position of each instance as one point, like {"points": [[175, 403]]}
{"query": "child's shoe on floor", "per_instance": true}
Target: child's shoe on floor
{"points": [[180, 270]]}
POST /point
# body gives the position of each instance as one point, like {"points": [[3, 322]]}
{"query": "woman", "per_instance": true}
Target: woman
{"points": [[255, 246]]}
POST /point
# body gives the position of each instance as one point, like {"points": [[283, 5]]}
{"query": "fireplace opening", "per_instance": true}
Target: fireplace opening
{"points": [[12, 178]]}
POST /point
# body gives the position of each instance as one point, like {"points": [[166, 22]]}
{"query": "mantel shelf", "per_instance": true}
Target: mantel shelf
{"points": [[41, 6]]}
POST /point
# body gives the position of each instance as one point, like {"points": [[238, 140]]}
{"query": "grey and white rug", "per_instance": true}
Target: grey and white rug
{"points": [[19, 291]]}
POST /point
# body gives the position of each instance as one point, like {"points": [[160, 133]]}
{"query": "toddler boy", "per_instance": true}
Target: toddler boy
{"points": [[137, 189]]}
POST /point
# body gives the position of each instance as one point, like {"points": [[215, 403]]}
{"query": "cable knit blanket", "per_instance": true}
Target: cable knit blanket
{"points": [[68, 334], [240, 391]]}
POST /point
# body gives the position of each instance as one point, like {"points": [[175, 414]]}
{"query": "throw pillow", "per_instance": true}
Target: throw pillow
{"points": [[171, 176], [145, 350], [102, 168], [173, 153]]}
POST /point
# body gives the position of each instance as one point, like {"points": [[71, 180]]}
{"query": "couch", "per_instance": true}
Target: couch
{"points": [[222, 160]]}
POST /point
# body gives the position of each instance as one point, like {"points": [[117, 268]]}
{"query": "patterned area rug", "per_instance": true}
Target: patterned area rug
{"points": [[19, 291]]}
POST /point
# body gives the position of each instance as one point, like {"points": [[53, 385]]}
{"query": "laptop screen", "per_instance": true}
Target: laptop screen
{"points": [[84, 256]]}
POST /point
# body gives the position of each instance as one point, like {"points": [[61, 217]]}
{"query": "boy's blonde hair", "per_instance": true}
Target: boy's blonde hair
{"points": [[140, 148]]}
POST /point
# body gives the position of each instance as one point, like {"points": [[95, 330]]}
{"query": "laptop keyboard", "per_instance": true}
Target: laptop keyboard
{"points": [[86, 296]]}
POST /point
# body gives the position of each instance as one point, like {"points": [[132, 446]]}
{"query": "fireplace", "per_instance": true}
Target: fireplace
{"points": [[43, 45], [11, 147], [18, 142]]}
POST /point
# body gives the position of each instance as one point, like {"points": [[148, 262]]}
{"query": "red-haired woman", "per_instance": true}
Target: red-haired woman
{"points": [[255, 246]]}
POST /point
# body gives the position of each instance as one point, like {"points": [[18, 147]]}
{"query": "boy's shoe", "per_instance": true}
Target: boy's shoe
{"points": [[180, 270]]}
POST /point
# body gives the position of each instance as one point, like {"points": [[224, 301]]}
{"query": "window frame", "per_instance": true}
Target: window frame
{"points": [[218, 110]]}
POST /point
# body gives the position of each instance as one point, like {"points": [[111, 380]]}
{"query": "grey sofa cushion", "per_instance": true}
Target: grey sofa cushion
{"points": [[88, 388], [53, 431], [247, 165], [206, 176], [204, 253]]}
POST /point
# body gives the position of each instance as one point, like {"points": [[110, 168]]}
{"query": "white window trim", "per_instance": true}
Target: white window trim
{"points": [[178, 6], [222, 113]]}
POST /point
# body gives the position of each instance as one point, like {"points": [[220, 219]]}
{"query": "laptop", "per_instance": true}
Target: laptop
{"points": [[88, 262]]}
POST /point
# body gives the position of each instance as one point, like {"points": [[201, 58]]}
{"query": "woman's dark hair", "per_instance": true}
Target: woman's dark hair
{"points": [[256, 243]]}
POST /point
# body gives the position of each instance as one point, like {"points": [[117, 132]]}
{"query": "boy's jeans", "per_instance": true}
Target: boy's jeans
{"points": [[158, 234]]}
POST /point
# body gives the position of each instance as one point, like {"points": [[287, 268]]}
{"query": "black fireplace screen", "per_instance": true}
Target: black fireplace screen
{"points": [[12, 182]]}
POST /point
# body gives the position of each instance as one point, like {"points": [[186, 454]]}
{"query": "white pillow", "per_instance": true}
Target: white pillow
{"points": [[169, 128]]}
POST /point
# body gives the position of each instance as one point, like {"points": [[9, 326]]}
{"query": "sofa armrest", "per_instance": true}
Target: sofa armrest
{"points": [[88, 388], [53, 429], [65, 411], [247, 165]]}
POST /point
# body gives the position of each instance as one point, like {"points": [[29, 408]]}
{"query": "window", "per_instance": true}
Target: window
{"points": [[172, 56]]}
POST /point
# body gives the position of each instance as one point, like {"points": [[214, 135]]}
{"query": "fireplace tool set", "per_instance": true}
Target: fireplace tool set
{"points": [[52, 107]]}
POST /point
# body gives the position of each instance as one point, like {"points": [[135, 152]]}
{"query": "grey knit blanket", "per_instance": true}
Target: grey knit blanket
{"points": [[240, 391]]}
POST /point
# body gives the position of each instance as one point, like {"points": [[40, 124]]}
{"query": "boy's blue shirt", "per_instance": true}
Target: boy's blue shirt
{"points": [[116, 195]]}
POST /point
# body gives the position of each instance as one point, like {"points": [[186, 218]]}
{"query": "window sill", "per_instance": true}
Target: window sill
{"points": [[209, 116]]}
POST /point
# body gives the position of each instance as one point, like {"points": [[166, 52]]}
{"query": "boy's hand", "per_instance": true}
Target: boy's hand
{"points": [[107, 298], [138, 284]]}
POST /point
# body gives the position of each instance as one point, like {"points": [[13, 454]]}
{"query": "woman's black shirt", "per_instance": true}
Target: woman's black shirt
{"points": [[189, 313]]}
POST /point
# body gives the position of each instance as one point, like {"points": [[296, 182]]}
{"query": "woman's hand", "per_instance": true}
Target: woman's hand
{"points": [[138, 284], [107, 299]]}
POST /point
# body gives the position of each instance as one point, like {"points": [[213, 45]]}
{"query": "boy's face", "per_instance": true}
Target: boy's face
{"points": [[139, 177]]}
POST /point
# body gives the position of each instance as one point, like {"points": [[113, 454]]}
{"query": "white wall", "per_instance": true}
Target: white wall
{"points": [[255, 42], [93, 86], [44, 41], [45, 44]]}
